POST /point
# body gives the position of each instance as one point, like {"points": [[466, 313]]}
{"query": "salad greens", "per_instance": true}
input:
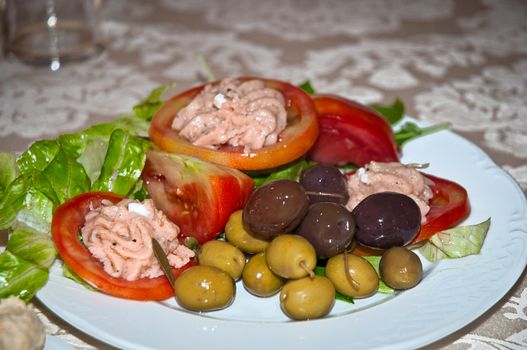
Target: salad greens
{"points": [[104, 157]]}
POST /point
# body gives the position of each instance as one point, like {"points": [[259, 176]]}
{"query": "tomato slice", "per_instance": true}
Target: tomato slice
{"points": [[448, 207], [196, 195], [351, 133], [66, 224], [294, 141]]}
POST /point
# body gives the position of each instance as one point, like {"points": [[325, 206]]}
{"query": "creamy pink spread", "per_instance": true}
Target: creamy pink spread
{"points": [[233, 113], [394, 177], [120, 236]]}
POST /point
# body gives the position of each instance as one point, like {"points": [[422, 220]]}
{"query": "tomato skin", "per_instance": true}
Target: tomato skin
{"points": [[351, 133], [294, 141], [196, 195], [448, 207], [65, 226]]}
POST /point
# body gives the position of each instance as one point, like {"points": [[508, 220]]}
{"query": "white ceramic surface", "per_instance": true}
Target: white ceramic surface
{"points": [[452, 294]]}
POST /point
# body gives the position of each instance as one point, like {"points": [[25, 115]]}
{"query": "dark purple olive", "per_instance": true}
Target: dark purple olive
{"points": [[386, 219], [329, 227], [275, 208], [325, 183]]}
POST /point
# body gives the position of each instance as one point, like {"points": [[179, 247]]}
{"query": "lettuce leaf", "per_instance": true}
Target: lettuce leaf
{"points": [[8, 169], [37, 156], [20, 277], [123, 163], [456, 242], [34, 247], [290, 172], [67, 177]]}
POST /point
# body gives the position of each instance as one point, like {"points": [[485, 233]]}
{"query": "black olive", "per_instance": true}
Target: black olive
{"points": [[275, 208], [386, 219]]}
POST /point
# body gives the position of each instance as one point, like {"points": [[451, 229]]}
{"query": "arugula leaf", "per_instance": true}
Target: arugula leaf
{"points": [[392, 113], [67, 177], [409, 131], [307, 87], [8, 169], [19, 277], [146, 109], [456, 242], [375, 261], [123, 163], [290, 172]]}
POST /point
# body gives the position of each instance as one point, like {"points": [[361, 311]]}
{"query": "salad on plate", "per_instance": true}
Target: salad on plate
{"points": [[245, 182]]}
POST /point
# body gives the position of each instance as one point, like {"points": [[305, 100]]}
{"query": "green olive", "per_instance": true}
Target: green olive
{"points": [[259, 279], [204, 288], [400, 268], [237, 235], [307, 298], [291, 256], [224, 256], [360, 281]]}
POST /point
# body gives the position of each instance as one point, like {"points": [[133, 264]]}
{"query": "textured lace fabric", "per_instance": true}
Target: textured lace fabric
{"points": [[463, 62]]}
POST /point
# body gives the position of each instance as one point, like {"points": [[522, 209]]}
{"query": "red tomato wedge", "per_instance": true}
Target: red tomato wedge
{"points": [[351, 133], [299, 135], [196, 195], [448, 207], [66, 224]]}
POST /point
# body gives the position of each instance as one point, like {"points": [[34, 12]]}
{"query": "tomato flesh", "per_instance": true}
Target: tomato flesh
{"points": [[196, 195], [294, 141], [448, 207], [67, 221], [351, 133]]}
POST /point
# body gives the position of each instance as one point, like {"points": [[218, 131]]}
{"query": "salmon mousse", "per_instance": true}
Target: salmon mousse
{"points": [[120, 236], [234, 113]]}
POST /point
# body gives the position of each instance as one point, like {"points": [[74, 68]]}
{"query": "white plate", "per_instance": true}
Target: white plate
{"points": [[452, 294]]}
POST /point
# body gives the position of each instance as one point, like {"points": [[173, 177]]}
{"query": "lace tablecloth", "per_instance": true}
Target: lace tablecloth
{"points": [[464, 62]]}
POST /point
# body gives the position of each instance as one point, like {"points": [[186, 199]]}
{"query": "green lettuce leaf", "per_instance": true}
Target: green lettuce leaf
{"points": [[37, 156], [456, 242], [34, 247], [8, 169], [67, 177], [19, 277], [69, 273], [123, 163]]}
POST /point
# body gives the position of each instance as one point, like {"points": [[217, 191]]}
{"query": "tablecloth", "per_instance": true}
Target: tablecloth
{"points": [[463, 62]]}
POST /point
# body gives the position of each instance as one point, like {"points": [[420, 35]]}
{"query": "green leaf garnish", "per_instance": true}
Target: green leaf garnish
{"points": [[375, 261], [456, 242], [409, 131], [146, 109], [290, 172], [392, 113], [307, 87], [20, 277], [209, 74], [163, 262]]}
